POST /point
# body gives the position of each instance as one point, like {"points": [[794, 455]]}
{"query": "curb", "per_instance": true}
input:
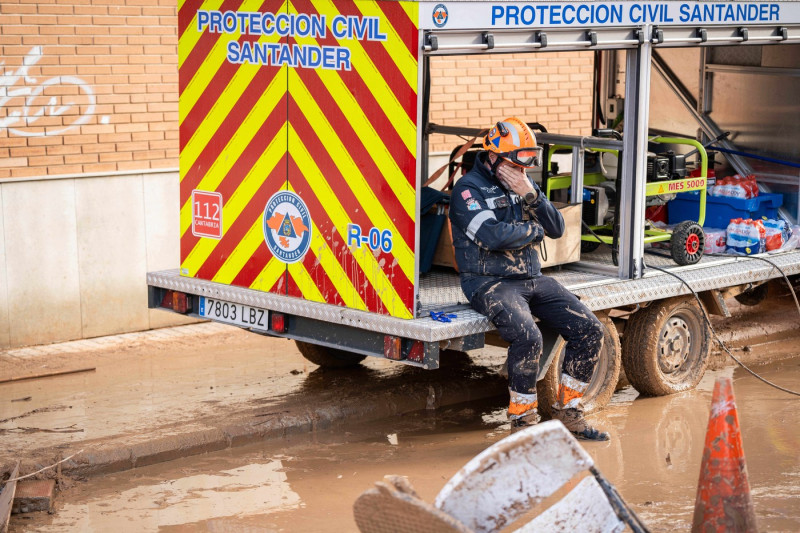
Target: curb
{"points": [[118, 454]]}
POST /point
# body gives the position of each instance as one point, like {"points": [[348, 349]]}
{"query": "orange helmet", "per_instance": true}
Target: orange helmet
{"points": [[514, 141]]}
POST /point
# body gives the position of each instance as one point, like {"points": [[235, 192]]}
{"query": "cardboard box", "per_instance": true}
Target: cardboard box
{"points": [[566, 249]]}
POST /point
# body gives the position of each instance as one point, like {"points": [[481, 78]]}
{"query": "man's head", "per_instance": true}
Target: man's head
{"points": [[513, 141]]}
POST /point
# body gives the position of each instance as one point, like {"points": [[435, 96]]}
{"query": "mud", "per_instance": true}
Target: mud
{"points": [[653, 459]]}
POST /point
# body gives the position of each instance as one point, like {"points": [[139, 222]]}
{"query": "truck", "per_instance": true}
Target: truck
{"points": [[305, 149]]}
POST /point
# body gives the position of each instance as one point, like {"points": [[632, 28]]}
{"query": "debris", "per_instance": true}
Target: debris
{"points": [[14, 478], [8, 486], [33, 412], [34, 495], [25, 399], [47, 374]]}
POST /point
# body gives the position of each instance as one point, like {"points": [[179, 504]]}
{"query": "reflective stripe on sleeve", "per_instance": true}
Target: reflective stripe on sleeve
{"points": [[476, 223]]}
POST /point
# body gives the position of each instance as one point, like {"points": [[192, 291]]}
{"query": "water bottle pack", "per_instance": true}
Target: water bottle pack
{"points": [[746, 237], [735, 187], [778, 233]]}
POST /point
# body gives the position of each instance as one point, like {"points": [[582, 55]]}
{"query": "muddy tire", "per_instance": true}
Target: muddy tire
{"points": [[328, 357], [603, 383], [666, 347]]}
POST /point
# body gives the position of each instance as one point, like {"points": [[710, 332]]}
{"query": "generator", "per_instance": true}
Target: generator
{"points": [[666, 166]]}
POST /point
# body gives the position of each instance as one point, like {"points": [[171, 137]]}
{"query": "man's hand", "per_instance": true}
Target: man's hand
{"points": [[514, 178]]}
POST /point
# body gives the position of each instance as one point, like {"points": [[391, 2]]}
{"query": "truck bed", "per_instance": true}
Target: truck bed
{"points": [[593, 279]]}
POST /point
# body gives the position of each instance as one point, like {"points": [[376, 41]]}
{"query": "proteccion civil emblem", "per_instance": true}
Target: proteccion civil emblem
{"points": [[439, 15], [287, 227]]}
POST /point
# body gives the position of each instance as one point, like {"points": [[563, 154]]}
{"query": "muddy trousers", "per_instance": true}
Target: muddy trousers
{"points": [[511, 306]]}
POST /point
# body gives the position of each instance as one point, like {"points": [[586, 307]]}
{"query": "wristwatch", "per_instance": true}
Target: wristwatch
{"points": [[530, 197]]}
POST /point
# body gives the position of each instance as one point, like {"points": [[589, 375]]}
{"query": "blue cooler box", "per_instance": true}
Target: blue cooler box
{"points": [[721, 209]]}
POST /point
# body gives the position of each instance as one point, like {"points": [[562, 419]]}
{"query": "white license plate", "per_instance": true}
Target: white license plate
{"points": [[236, 314]]}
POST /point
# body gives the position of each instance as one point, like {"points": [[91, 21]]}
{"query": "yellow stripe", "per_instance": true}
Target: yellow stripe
{"points": [[327, 259], [212, 63], [242, 253], [223, 163], [304, 282], [395, 178], [269, 275], [374, 81], [340, 218], [190, 35], [398, 51], [355, 179], [233, 208], [412, 10]]}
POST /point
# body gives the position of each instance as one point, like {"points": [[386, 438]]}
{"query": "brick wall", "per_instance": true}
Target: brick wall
{"points": [[554, 89], [87, 86], [92, 87]]}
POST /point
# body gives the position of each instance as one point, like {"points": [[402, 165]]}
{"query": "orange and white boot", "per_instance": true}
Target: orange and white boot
{"points": [[569, 410], [522, 410]]}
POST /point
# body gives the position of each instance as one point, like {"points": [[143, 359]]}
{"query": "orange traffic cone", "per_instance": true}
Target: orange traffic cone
{"points": [[723, 494]]}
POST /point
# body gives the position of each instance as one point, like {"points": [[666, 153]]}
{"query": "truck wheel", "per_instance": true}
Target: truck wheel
{"points": [[666, 347], [686, 245], [328, 357], [754, 296], [604, 380]]}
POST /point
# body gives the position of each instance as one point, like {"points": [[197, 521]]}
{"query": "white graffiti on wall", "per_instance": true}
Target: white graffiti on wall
{"points": [[26, 101]]}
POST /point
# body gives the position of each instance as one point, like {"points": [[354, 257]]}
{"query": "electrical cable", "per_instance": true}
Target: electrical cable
{"points": [[716, 336], [708, 320]]}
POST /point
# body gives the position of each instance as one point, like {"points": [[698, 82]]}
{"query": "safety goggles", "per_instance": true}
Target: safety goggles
{"points": [[524, 157]]}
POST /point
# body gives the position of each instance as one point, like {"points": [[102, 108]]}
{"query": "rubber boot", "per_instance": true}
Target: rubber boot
{"points": [[522, 410], [574, 421]]}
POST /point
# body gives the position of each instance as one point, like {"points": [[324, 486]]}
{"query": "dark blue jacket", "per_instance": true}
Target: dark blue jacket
{"points": [[495, 232]]}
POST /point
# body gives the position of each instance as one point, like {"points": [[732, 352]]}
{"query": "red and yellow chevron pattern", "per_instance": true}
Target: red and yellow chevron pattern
{"points": [[342, 138]]}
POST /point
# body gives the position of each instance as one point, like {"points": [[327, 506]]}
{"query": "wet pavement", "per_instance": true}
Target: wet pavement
{"points": [[156, 401], [310, 485]]}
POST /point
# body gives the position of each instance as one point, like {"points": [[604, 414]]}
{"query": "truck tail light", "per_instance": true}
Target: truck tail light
{"points": [[179, 302], [392, 347], [278, 323]]}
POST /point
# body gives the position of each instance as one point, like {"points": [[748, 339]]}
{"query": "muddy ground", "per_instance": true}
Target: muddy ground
{"points": [[150, 390], [653, 459]]}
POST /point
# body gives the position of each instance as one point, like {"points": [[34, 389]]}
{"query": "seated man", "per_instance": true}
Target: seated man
{"points": [[498, 217]]}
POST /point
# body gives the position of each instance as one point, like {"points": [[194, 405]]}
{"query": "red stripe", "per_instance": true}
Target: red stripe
{"points": [[336, 242], [403, 25], [371, 108], [236, 116], [210, 96], [340, 185], [186, 14], [255, 206], [254, 266], [357, 149], [320, 279], [203, 47], [383, 61]]}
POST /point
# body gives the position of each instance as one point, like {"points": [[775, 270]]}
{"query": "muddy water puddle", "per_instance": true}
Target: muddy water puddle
{"points": [[311, 483]]}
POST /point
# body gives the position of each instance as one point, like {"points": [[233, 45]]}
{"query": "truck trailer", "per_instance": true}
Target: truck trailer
{"points": [[305, 153]]}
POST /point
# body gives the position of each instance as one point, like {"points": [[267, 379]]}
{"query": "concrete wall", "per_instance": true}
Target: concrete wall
{"points": [[74, 253]]}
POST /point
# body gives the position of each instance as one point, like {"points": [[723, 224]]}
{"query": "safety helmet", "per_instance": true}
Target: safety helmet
{"points": [[514, 141]]}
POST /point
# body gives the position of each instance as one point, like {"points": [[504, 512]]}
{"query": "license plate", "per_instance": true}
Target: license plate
{"points": [[236, 314]]}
